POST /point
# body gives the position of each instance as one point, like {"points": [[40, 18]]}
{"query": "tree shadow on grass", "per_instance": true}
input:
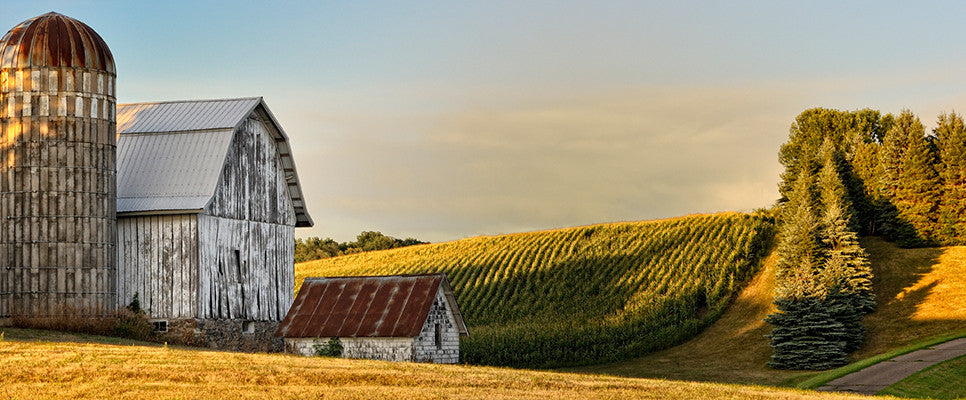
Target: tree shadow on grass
{"points": [[912, 287]]}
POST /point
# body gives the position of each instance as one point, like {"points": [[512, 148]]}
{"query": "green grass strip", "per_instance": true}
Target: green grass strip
{"points": [[827, 376], [933, 382]]}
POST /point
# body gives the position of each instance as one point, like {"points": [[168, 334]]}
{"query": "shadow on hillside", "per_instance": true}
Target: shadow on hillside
{"points": [[914, 303], [895, 268], [733, 349], [919, 294]]}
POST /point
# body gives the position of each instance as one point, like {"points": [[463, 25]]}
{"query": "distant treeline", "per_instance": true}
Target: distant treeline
{"points": [[315, 248]]}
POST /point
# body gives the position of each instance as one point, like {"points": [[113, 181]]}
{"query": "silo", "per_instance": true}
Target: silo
{"points": [[57, 174]]}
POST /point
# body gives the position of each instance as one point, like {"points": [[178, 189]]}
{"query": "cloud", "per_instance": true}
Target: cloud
{"points": [[546, 162]]}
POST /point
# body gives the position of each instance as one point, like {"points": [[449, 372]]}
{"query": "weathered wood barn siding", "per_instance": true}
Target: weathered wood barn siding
{"points": [[57, 171], [247, 233], [158, 260], [246, 269]]}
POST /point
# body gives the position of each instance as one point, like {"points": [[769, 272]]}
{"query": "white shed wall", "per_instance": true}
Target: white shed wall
{"points": [[386, 349]]}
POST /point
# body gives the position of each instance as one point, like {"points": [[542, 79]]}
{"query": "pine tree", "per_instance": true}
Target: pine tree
{"points": [[951, 142], [860, 172], [806, 134], [918, 195], [854, 134], [910, 183], [846, 273], [799, 246], [805, 336], [868, 172]]}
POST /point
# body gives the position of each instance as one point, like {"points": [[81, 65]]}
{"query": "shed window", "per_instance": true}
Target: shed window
{"points": [[248, 327], [439, 337], [160, 326]]}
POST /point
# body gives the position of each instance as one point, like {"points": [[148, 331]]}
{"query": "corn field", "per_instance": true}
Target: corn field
{"points": [[582, 295]]}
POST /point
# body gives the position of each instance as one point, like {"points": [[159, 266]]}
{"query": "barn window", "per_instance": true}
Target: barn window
{"points": [[160, 325], [238, 265], [439, 336]]}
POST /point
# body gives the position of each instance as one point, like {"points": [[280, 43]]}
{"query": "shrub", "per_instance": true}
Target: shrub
{"points": [[129, 322], [332, 348]]}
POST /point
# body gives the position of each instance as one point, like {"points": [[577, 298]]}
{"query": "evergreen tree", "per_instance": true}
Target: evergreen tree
{"points": [[868, 173], [910, 183], [951, 142], [854, 134], [806, 134], [824, 285], [846, 273], [844, 308], [918, 195], [805, 336], [799, 247]]}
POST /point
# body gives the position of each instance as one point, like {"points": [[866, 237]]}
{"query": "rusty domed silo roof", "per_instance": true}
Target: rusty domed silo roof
{"points": [[54, 40]]}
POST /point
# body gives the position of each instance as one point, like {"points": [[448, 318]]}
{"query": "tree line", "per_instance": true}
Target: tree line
{"points": [[903, 184], [315, 248], [849, 173]]}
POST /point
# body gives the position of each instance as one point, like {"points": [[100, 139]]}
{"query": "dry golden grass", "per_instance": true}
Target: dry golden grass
{"points": [[921, 293], [32, 370]]}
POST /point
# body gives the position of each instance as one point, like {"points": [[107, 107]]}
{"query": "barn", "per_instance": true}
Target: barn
{"points": [[207, 202], [392, 318], [189, 205]]}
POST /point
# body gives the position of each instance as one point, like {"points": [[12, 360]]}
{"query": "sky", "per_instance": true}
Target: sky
{"points": [[451, 119]]}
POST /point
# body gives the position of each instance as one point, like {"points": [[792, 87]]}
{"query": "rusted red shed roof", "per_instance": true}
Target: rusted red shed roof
{"points": [[54, 40], [366, 306]]}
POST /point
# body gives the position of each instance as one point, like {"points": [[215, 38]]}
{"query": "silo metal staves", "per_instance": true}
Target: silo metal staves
{"points": [[57, 170]]}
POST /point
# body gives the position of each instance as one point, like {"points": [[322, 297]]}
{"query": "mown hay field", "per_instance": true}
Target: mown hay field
{"points": [[31, 369], [583, 295]]}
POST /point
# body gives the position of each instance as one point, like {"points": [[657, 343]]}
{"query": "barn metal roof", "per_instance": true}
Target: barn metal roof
{"points": [[172, 171], [54, 40], [170, 154], [181, 116], [366, 306]]}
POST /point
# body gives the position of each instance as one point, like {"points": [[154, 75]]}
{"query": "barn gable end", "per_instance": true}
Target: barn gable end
{"points": [[245, 229]]}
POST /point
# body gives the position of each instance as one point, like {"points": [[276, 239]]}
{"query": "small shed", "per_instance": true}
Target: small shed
{"points": [[393, 318]]}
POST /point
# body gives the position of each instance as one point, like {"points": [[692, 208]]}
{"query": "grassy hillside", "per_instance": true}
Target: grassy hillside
{"points": [[921, 293], [582, 295], [70, 370]]}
